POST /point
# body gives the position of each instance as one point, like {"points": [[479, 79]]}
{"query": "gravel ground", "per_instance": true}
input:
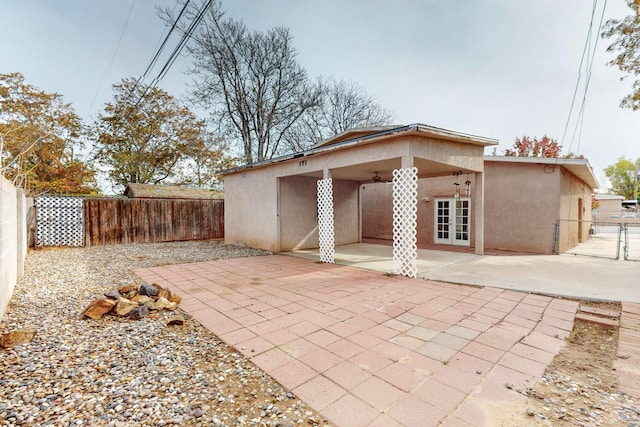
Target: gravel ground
{"points": [[119, 372]]}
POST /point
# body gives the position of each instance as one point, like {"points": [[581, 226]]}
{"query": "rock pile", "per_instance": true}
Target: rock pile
{"points": [[133, 301]]}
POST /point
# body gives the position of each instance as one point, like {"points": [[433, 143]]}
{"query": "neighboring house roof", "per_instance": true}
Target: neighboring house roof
{"points": [[579, 167], [362, 136], [151, 191], [602, 196]]}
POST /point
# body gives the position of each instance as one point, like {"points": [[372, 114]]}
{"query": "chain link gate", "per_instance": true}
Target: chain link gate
{"points": [[59, 221], [632, 241], [606, 239]]}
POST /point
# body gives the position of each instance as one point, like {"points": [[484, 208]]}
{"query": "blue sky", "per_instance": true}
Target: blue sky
{"points": [[495, 68]]}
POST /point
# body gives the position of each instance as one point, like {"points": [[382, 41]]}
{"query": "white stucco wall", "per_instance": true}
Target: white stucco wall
{"points": [[251, 215], [13, 240]]}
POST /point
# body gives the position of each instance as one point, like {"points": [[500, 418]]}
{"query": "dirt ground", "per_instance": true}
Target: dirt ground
{"points": [[580, 387]]}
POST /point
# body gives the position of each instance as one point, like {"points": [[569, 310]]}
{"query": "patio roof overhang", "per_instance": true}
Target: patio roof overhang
{"points": [[435, 152]]}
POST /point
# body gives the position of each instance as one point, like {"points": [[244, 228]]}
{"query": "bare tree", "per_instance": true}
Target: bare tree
{"points": [[250, 81], [344, 105]]}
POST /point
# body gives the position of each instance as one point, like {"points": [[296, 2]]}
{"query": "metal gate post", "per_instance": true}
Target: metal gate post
{"points": [[626, 241], [556, 231]]}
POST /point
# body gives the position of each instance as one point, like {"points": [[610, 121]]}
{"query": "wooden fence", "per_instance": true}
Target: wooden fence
{"points": [[113, 221]]}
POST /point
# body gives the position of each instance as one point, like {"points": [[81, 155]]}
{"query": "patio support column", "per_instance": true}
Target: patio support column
{"points": [[325, 218], [405, 216], [479, 212]]}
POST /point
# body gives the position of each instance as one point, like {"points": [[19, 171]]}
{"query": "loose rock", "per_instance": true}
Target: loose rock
{"points": [[99, 308], [14, 338], [74, 370]]}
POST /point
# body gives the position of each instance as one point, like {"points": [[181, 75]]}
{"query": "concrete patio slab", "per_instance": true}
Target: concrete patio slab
{"points": [[560, 275], [333, 333]]}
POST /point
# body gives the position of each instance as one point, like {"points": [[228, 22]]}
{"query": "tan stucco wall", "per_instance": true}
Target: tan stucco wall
{"points": [[377, 210], [574, 212], [251, 215], [509, 189], [608, 208], [521, 206], [346, 215], [298, 213], [377, 207]]}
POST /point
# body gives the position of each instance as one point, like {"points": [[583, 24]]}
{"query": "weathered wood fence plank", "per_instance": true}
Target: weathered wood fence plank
{"points": [[113, 221]]}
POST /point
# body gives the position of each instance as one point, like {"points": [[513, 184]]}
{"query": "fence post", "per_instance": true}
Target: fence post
{"points": [[626, 241], [556, 233]]}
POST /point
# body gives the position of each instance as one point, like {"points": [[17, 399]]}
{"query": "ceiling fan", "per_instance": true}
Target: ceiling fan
{"points": [[377, 178]]}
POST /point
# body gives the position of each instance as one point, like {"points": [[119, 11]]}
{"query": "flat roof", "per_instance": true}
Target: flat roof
{"points": [[603, 196], [579, 167]]}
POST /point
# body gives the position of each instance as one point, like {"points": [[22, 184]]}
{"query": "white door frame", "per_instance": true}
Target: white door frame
{"points": [[452, 221]]}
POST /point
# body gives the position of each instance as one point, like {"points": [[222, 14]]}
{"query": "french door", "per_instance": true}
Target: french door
{"points": [[453, 221]]}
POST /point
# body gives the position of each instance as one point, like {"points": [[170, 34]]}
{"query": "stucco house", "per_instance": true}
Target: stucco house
{"points": [[524, 199], [337, 193], [158, 191], [610, 206]]}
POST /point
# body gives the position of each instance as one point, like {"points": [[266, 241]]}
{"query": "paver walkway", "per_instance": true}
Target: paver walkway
{"points": [[628, 363], [364, 348]]}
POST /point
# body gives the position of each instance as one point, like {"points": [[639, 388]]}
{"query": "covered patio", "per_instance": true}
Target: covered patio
{"points": [[312, 199]]}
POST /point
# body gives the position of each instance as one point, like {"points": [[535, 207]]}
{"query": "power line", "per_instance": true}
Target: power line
{"points": [[113, 58], [586, 87], [158, 52], [185, 37], [575, 91], [589, 54], [175, 53]]}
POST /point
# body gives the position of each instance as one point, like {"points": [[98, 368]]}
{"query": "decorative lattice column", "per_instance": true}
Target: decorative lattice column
{"points": [[325, 220], [405, 217]]}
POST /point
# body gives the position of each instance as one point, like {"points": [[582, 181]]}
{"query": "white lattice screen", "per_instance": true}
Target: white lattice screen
{"points": [[405, 216], [325, 220], [59, 221]]}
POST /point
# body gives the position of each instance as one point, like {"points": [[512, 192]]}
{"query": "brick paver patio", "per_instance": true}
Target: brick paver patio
{"points": [[628, 363], [365, 348]]}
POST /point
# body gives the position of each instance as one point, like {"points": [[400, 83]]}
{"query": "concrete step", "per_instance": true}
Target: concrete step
{"points": [[596, 319], [602, 312]]}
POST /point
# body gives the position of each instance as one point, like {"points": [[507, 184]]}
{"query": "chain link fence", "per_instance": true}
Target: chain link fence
{"points": [[632, 242], [600, 239]]}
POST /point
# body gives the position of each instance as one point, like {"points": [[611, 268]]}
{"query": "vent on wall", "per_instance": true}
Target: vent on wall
{"points": [[302, 163]]}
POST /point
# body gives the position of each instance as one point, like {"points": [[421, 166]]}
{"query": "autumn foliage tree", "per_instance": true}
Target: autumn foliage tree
{"points": [[623, 176], [147, 136], [40, 139], [626, 46], [534, 147]]}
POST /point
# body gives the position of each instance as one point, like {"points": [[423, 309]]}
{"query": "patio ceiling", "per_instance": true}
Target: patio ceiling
{"points": [[364, 172]]}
